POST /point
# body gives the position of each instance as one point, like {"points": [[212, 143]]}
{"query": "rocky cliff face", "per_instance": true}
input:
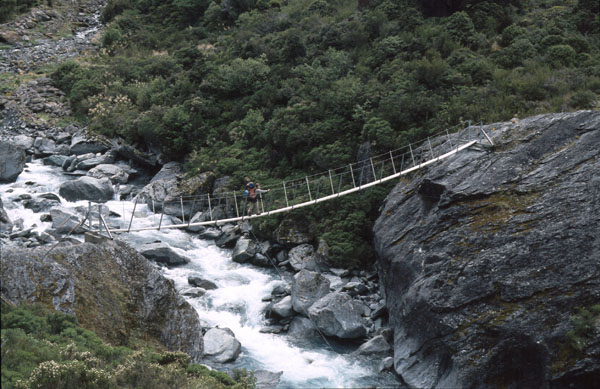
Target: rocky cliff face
{"points": [[491, 261], [111, 289]]}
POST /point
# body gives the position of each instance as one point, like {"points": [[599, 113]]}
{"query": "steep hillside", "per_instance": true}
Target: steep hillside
{"points": [[491, 261]]}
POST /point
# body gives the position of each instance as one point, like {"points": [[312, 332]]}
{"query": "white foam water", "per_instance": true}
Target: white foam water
{"points": [[236, 303]]}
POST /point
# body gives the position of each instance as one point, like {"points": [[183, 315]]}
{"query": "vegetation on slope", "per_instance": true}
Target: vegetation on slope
{"points": [[273, 89], [42, 349]]}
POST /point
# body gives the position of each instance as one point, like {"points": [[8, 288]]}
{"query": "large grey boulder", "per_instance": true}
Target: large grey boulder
{"points": [[89, 163], [302, 328], [42, 202], [337, 314], [163, 253], [82, 145], [114, 173], [244, 250], [169, 184], [96, 282], [376, 347], [221, 346], [12, 161], [44, 146], [228, 237], [65, 221], [55, 160], [487, 257], [308, 287], [302, 257], [283, 308], [23, 141], [87, 188]]}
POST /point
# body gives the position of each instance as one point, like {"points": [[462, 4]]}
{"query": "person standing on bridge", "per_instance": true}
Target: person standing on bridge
{"points": [[253, 193]]}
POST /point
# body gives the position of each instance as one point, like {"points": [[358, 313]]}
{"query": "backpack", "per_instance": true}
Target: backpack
{"points": [[250, 191]]}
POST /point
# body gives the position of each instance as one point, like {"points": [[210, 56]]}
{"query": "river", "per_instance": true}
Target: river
{"points": [[237, 303]]}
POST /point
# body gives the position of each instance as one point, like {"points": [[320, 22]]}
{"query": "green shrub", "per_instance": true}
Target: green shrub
{"points": [[114, 8], [584, 324], [561, 55], [583, 100]]}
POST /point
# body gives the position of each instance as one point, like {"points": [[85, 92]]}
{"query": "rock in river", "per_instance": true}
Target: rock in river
{"points": [[87, 188]]}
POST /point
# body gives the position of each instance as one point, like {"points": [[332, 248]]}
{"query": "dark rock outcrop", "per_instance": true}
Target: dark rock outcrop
{"points": [[487, 257], [12, 161], [111, 289]]}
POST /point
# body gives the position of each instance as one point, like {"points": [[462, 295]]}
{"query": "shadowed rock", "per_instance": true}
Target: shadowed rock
{"points": [[87, 188], [485, 259], [12, 161]]}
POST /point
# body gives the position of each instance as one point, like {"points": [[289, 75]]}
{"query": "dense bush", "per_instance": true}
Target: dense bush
{"points": [[42, 349], [10, 8], [279, 89]]}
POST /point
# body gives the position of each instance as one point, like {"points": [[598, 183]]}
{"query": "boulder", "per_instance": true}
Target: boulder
{"points": [[267, 379], [12, 161], [55, 160], [244, 250], [64, 221], [221, 346], [307, 288], [6, 224], [201, 283], [87, 188], [23, 141], [163, 253], [302, 257], [387, 364], [44, 146], [261, 260], [94, 282], [106, 159], [376, 347], [487, 258], [302, 328], [292, 232], [169, 184], [337, 314], [82, 145], [115, 174], [283, 308], [228, 237], [42, 202]]}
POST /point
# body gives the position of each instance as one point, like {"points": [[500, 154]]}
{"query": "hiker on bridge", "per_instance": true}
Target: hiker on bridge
{"points": [[253, 193]]}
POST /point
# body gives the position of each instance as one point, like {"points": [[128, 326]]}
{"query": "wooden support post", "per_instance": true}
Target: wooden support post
{"points": [[287, 204], [308, 187], [132, 213], [237, 211], [331, 182], [100, 219], [449, 139], [161, 214], [373, 168], [352, 173], [412, 155], [393, 164], [182, 212], [209, 207]]}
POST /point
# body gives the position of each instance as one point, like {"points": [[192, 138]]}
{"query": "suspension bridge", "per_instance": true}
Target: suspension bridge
{"points": [[212, 209]]}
